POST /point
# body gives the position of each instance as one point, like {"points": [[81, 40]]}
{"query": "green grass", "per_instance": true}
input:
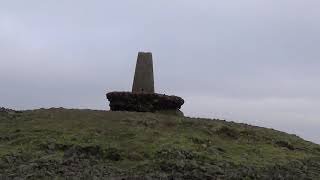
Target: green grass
{"points": [[130, 143]]}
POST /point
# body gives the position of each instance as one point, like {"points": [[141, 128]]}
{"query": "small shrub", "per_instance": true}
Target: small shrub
{"points": [[84, 152], [174, 153], [198, 140], [113, 154], [285, 144], [228, 132]]}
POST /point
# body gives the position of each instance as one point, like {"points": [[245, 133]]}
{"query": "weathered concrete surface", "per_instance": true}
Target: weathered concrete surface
{"points": [[142, 102], [143, 79]]}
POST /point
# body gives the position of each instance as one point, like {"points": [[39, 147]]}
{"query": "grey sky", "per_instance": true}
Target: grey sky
{"points": [[248, 61]]}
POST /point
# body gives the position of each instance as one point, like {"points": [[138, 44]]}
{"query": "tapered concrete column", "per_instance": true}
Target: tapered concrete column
{"points": [[143, 78]]}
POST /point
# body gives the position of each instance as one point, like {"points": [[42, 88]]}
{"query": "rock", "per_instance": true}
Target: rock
{"points": [[144, 102]]}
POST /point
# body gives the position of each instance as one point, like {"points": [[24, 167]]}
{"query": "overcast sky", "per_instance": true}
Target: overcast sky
{"points": [[252, 61]]}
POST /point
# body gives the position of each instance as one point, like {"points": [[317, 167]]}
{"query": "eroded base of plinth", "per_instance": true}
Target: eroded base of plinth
{"points": [[144, 102]]}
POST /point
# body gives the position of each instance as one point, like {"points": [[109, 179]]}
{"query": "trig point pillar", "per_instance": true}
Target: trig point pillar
{"points": [[143, 98], [143, 78]]}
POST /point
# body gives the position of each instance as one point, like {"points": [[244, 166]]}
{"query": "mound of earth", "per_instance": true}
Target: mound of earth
{"points": [[85, 144]]}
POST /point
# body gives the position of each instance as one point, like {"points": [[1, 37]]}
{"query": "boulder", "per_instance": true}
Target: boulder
{"points": [[144, 102]]}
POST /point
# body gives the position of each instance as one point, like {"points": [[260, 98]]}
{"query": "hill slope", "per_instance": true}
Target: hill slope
{"points": [[125, 145]]}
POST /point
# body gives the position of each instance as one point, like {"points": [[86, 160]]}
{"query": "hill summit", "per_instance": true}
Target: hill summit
{"points": [[91, 144]]}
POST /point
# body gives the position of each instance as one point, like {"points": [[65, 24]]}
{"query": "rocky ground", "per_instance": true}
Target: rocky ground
{"points": [[87, 144]]}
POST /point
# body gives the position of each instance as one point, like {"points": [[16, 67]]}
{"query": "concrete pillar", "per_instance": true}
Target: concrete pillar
{"points": [[143, 78]]}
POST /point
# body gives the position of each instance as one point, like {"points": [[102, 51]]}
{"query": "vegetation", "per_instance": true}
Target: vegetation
{"points": [[90, 144]]}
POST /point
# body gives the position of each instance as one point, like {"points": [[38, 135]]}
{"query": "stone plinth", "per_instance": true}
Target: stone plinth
{"points": [[143, 102]]}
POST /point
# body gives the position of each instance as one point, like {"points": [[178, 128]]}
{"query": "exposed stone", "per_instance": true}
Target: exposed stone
{"points": [[140, 102]]}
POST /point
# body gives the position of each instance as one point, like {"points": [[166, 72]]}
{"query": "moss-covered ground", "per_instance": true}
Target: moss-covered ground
{"points": [[59, 143]]}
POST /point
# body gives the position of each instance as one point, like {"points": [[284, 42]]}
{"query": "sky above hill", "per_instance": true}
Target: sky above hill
{"points": [[248, 61]]}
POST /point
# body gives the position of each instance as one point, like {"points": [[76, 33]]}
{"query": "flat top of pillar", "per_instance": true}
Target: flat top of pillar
{"points": [[145, 53]]}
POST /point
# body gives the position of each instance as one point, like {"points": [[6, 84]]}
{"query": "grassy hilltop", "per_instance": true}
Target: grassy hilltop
{"points": [[88, 144]]}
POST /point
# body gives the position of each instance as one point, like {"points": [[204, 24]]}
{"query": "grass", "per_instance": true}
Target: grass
{"points": [[129, 143]]}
